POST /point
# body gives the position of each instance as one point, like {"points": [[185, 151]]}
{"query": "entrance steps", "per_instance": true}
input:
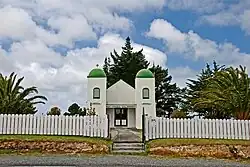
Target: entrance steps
{"points": [[128, 147]]}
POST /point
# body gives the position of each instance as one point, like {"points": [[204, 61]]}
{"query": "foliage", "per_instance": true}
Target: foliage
{"points": [[167, 95], [54, 111], [91, 111], [15, 99], [228, 91], [124, 66], [75, 109], [193, 89], [179, 114]]}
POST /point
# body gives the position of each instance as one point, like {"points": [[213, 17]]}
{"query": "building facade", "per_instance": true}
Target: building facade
{"points": [[121, 102]]}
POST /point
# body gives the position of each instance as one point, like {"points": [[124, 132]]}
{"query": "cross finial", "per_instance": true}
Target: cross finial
{"points": [[97, 65]]}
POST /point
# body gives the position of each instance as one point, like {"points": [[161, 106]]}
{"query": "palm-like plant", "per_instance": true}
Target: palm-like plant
{"points": [[227, 92], [194, 87], [14, 99]]}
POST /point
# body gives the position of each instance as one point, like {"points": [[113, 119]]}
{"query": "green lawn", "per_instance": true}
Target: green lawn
{"points": [[176, 142], [55, 138]]}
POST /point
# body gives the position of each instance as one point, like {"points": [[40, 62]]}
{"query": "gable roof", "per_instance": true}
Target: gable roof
{"points": [[119, 84], [121, 93]]}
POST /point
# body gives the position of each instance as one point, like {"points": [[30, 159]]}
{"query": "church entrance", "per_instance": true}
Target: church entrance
{"points": [[121, 117]]}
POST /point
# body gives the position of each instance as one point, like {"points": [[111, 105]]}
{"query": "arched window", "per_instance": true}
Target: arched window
{"points": [[145, 93], [96, 93]]}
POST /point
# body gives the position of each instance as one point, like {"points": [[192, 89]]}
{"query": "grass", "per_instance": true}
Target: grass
{"points": [[55, 138], [177, 142], [17, 152]]}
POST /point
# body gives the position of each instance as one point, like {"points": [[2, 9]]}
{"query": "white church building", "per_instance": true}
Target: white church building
{"points": [[121, 102]]}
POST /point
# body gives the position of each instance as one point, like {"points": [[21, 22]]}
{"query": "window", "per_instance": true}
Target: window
{"points": [[96, 93], [145, 93]]}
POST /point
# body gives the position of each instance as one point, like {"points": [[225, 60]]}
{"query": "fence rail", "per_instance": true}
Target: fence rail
{"points": [[158, 127], [92, 126]]}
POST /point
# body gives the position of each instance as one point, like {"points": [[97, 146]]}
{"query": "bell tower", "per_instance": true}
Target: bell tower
{"points": [[97, 89], [144, 95]]}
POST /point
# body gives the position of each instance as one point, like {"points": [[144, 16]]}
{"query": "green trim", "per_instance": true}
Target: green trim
{"points": [[144, 73], [97, 73]]}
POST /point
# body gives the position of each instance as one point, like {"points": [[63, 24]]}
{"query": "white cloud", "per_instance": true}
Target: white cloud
{"points": [[221, 18], [245, 21], [63, 78], [195, 47], [204, 6], [101, 15], [5, 64], [16, 23], [67, 28], [181, 74], [235, 14], [35, 26], [216, 12]]}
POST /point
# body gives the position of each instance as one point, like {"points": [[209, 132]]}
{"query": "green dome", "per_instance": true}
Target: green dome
{"points": [[97, 73], [144, 73]]}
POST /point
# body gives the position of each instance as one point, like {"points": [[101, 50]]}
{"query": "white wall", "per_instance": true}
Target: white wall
{"points": [[149, 105], [121, 93], [98, 104], [131, 118], [111, 114]]}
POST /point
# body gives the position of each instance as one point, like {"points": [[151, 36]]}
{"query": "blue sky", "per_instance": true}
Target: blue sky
{"points": [[54, 44], [185, 21]]}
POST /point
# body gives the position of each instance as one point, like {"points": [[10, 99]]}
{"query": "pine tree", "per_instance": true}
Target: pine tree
{"points": [[199, 84], [106, 68], [126, 65], [167, 94]]}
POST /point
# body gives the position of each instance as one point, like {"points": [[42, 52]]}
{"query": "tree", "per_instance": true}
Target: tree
{"points": [[167, 95], [54, 111], [195, 86], [75, 109], [15, 99], [91, 111], [228, 92], [125, 66], [179, 114]]}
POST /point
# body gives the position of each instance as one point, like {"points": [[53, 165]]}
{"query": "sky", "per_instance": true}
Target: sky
{"points": [[55, 43]]}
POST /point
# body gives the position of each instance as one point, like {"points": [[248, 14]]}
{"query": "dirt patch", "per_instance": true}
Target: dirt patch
{"points": [[54, 147], [216, 151]]}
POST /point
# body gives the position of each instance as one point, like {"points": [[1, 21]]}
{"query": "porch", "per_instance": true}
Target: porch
{"points": [[121, 116]]}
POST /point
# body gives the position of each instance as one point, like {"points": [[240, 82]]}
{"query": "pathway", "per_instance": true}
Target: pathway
{"points": [[125, 135], [127, 141]]}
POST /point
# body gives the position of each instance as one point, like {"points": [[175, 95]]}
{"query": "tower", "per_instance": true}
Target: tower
{"points": [[97, 89], [144, 95]]}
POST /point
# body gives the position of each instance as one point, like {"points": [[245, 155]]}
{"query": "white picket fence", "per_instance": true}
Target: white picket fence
{"points": [[158, 127], [92, 126]]}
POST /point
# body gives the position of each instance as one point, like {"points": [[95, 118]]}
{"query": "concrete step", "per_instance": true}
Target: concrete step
{"points": [[128, 147], [128, 144], [128, 151]]}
